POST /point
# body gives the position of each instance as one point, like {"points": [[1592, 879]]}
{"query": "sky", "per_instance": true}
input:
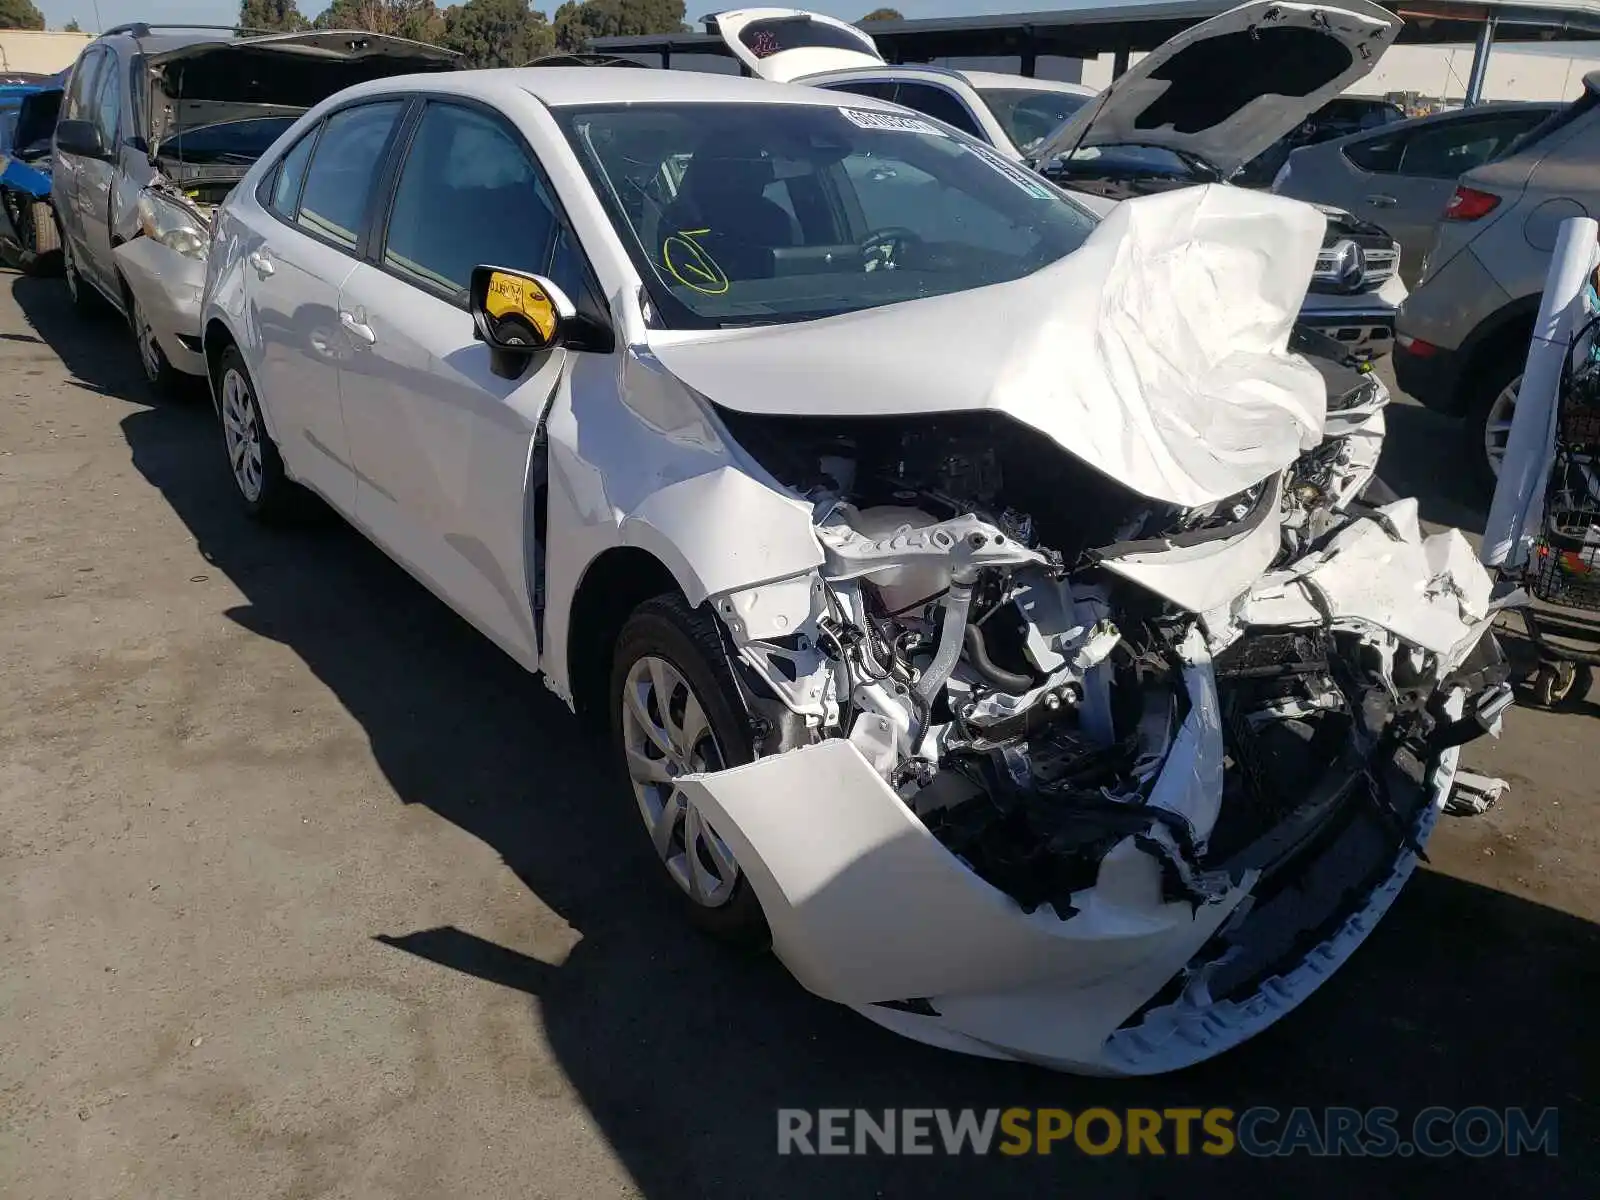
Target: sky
{"points": [[224, 12]]}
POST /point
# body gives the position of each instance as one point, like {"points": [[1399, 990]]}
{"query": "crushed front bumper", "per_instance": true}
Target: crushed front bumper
{"points": [[168, 286]]}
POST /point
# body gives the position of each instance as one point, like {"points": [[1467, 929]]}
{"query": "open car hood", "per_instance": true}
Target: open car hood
{"points": [[1156, 352], [1226, 89], [782, 44], [228, 79]]}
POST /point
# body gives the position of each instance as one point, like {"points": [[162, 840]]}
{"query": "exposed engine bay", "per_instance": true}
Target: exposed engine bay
{"points": [[981, 633]]}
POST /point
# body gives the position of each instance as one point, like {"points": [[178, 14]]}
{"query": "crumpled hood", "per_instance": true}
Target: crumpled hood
{"points": [[1156, 353], [1227, 88]]}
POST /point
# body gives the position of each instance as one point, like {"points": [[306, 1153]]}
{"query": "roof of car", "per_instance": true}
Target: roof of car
{"points": [[562, 86]]}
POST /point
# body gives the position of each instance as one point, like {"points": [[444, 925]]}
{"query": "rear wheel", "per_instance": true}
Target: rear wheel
{"points": [[268, 494], [676, 711], [1488, 426]]}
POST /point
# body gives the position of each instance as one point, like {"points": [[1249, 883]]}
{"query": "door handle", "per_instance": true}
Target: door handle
{"points": [[358, 327], [1379, 200]]}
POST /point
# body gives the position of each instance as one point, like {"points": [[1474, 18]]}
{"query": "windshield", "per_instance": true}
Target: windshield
{"points": [[1028, 115], [228, 142], [741, 214]]}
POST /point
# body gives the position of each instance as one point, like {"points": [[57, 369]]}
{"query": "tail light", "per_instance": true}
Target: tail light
{"points": [[1469, 204]]}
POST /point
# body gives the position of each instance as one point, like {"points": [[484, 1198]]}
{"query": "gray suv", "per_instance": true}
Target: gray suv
{"points": [[1463, 333]]}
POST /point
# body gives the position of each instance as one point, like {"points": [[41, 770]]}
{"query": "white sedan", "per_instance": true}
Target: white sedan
{"points": [[980, 596]]}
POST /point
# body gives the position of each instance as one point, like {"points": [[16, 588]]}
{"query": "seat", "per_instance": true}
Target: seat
{"points": [[722, 194]]}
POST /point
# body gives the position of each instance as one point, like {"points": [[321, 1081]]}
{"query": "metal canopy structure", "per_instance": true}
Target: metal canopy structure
{"points": [[1123, 29]]}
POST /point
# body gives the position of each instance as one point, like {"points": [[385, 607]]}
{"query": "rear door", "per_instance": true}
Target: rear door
{"points": [[1403, 178], [783, 44], [443, 445], [318, 209]]}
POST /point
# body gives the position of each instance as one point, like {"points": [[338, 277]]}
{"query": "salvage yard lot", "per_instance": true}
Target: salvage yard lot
{"points": [[306, 890]]}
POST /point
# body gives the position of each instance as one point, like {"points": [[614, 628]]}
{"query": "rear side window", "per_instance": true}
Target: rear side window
{"points": [[1452, 148], [878, 91], [468, 195], [937, 102], [1380, 155], [344, 170], [291, 172]]}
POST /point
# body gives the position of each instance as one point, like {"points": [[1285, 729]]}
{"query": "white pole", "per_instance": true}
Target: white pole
{"points": [[1519, 492]]}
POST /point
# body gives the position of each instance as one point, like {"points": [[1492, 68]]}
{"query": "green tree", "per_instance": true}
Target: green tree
{"points": [[20, 14], [496, 33], [882, 14], [576, 21], [72, 26], [419, 20], [280, 16]]}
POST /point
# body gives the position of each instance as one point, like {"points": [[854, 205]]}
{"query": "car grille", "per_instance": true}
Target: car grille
{"points": [[1380, 268]]}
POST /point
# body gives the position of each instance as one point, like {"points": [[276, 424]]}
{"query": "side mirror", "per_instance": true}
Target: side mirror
{"points": [[81, 138], [518, 315]]}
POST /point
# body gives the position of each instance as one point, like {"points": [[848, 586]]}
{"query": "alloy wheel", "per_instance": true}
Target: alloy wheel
{"points": [[1497, 425], [666, 734], [241, 429]]}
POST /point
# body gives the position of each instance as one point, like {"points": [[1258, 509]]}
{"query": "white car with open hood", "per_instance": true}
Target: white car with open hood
{"points": [[1194, 110], [981, 596]]}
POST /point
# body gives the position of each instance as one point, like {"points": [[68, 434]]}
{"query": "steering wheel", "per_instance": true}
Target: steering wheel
{"points": [[882, 249]]}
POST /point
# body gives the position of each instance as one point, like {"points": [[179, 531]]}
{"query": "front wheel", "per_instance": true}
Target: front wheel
{"points": [[80, 291], [158, 372], [676, 711]]}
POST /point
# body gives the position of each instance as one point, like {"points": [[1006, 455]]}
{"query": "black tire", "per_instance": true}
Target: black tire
{"points": [[1486, 389], [276, 498], [688, 639], [86, 301], [1559, 684], [163, 379]]}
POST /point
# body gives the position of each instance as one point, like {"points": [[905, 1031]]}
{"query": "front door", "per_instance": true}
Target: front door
{"points": [[442, 446]]}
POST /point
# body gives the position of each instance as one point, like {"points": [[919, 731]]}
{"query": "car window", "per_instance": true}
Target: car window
{"points": [[1380, 155], [1029, 116], [8, 123], [344, 170], [1555, 122], [887, 207], [290, 173], [937, 102], [84, 77], [1445, 150], [877, 89], [468, 195], [108, 106]]}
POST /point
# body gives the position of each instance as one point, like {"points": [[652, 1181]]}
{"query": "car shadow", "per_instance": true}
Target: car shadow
{"points": [[684, 1052], [1423, 456]]}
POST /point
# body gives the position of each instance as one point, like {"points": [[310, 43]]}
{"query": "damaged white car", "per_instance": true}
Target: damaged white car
{"points": [[158, 125], [982, 596]]}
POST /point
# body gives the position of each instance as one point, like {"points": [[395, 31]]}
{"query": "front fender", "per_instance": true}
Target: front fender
{"points": [[723, 530]]}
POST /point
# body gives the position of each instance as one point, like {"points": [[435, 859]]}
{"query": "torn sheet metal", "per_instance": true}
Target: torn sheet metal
{"points": [[1156, 352], [1430, 592]]}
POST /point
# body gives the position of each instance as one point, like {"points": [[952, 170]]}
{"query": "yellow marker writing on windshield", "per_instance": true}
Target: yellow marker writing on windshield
{"points": [[687, 261]]}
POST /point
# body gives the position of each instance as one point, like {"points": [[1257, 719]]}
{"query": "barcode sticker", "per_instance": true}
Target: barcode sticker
{"points": [[890, 122]]}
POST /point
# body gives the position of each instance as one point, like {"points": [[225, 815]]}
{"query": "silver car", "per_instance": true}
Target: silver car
{"points": [[1463, 333], [1402, 175]]}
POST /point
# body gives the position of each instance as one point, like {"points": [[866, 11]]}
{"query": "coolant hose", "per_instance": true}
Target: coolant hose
{"points": [[1009, 682], [957, 606]]}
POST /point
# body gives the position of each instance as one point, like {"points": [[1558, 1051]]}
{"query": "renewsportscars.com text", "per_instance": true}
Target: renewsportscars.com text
{"points": [[1260, 1132]]}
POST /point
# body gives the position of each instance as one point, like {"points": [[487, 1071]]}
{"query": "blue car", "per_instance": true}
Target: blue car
{"points": [[28, 112]]}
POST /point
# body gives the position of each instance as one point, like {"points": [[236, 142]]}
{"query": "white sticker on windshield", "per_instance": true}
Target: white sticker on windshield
{"points": [[891, 122], [1025, 179]]}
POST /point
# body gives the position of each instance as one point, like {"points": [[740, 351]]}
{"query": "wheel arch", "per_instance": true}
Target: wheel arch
{"points": [[1506, 329], [616, 581]]}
